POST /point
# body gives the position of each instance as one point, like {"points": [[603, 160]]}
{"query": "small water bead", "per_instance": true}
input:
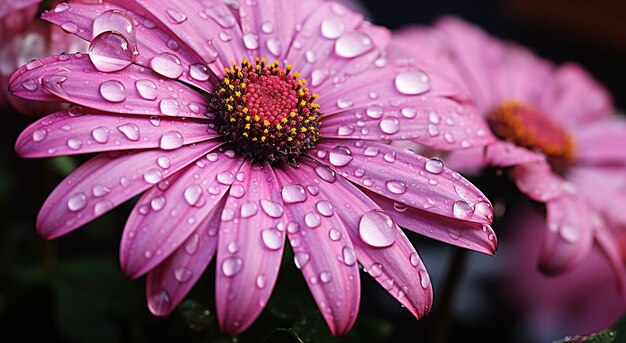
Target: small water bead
{"points": [[273, 45], [375, 270], [34, 64], [69, 26], [312, 220], [225, 37], [62, 7], [293, 193], [374, 112], [349, 257], [377, 229], [167, 64], [313, 190], [353, 44], [146, 89], [199, 72], [272, 239], [334, 235], [169, 107], [175, 16], [164, 162], [157, 203], [408, 112], [414, 259], [171, 140], [345, 130], [113, 91], [389, 125], [99, 191], [326, 173], [340, 156], [434, 166], [318, 76], [159, 302], [225, 178], [74, 143], [332, 28], [396, 187], [182, 274], [101, 134], [424, 279], [412, 82], [271, 208], [344, 103], [191, 246], [232, 247], [110, 52], [371, 151], [390, 156], [39, 135], [399, 207], [267, 27], [77, 202], [102, 207], [231, 266], [251, 41], [462, 210], [325, 277], [30, 85], [192, 194], [153, 176], [484, 209], [130, 131], [248, 210], [301, 259], [238, 191]]}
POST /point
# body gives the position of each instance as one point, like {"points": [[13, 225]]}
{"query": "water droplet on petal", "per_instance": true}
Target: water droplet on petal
{"points": [[100, 134], [325, 277], [39, 135], [99, 191], [171, 140], [159, 302], [326, 173], [293, 193], [375, 270], [408, 112], [349, 257], [147, 89], [231, 266], [225, 178], [334, 235], [271, 208], [377, 229], [412, 82], [434, 166], [260, 281], [169, 107], [249, 209], [374, 112], [325, 208], [130, 131], [345, 130], [157, 203], [62, 7], [30, 85], [462, 210], [273, 45], [238, 191], [353, 44], [251, 41], [199, 72], [312, 220], [175, 16], [77, 202], [192, 194], [110, 52], [332, 27], [301, 259], [167, 64], [424, 279], [74, 143], [272, 239], [389, 125], [396, 187], [113, 91], [340, 156], [69, 26], [182, 274], [164, 162], [153, 176], [414, 259]]}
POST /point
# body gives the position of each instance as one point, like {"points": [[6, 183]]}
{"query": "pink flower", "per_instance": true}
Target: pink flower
{"points": [[556, 132], [22, 39], [236, 157]]}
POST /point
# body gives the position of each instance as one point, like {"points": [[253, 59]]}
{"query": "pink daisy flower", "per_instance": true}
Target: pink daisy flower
{"points": [[236, 153], [556, 132]]}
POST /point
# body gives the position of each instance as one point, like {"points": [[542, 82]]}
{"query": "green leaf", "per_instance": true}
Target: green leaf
{"points": [[605, 336]]}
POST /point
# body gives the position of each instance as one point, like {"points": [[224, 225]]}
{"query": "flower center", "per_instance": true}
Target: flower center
{"points": [[527, 127], [266, 113]]}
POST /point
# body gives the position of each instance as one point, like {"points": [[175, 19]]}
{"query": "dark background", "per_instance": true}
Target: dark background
{"points": [[71, 289]]}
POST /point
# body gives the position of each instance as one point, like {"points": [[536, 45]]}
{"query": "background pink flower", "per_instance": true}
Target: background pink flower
{"points": [[558, 136], [234, 158]]}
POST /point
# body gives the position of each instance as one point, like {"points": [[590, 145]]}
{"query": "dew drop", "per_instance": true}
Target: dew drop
{"points": [[332, 27], [74, 143], [375, 270], [301, 259], [293, 193], [374, 112], [77, 202], [225, 178], [340, 156], [167, 64], [153, 176], [175, 16], [389, 125], [249, 209], [62, 7], [414, 259], [192, 194], [169, 107], [408, 112], [113, 91], [159, 302], [251, 41], [326, 173], [424, 279], [272, 239], [396, 187], [110, 52], [164, 162], [412, 82], [100, 134], [130, 131], [146, 89], [199, 72], [271, 208], [171, 140], [345, 130], [260, 281], [434, 166], [353, 44], [377, 229], [325, 277], [30, 85], [462, 210], [39, 135], [231, 266], [334, 235], [99, 191], [157, 203], [312, 220], [349, 257], [325, 208], [182, 274]]}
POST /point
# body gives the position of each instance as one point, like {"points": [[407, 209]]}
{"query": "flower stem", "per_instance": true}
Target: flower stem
{"points": [[443, 317]]}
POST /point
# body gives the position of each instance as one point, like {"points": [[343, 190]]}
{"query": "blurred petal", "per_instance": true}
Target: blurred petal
{"points": [[506, 154], [537, 181], [602, 142]]}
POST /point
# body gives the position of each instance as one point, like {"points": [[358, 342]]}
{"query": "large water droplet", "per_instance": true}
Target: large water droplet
{"points": [[157, 203], [130, 131], [231, 266], [100, 134], [434, 166], [192, 194], [167, 64], [326, 173], [389, 125], [39, 135], [110, 52], [77, 202], [301, 259], [169, 107], [396, 187], [171, 140], [340, 156], [412, 82], [424, 279], [175, 16], [99, 191], [182, 274], [374, 112], [377, 229], [113, 91], [271, 208], [325, 208], [153, 176], [332, 27], [353, 44], [147, 89], [225, 178], [293, 193], [251, 41], [462, 210], [199, 72], [272, 239], [349, 257], [312, 220], [159, 303], [248, 210], [375, 270], [325, 277]]}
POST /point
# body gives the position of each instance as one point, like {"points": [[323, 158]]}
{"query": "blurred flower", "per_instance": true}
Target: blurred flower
{"points": [[22, 38], [557, 131], [236, 153]]}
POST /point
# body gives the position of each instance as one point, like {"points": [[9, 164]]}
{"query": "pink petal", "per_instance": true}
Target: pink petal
{"points": [[574, 97], [406, 178], [381, 247], [437, 122], [152, 39], [537, 181], [466, 161], [505, 154], [271, 26], [602, 142], [80, 131], [208, 28], [469, 235], [568, 235], [10, 7], [169, 282], [250, 248], [322, 248], [152, 232], [604, 188], [134, 90], [106, 181], [609, 245]]}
